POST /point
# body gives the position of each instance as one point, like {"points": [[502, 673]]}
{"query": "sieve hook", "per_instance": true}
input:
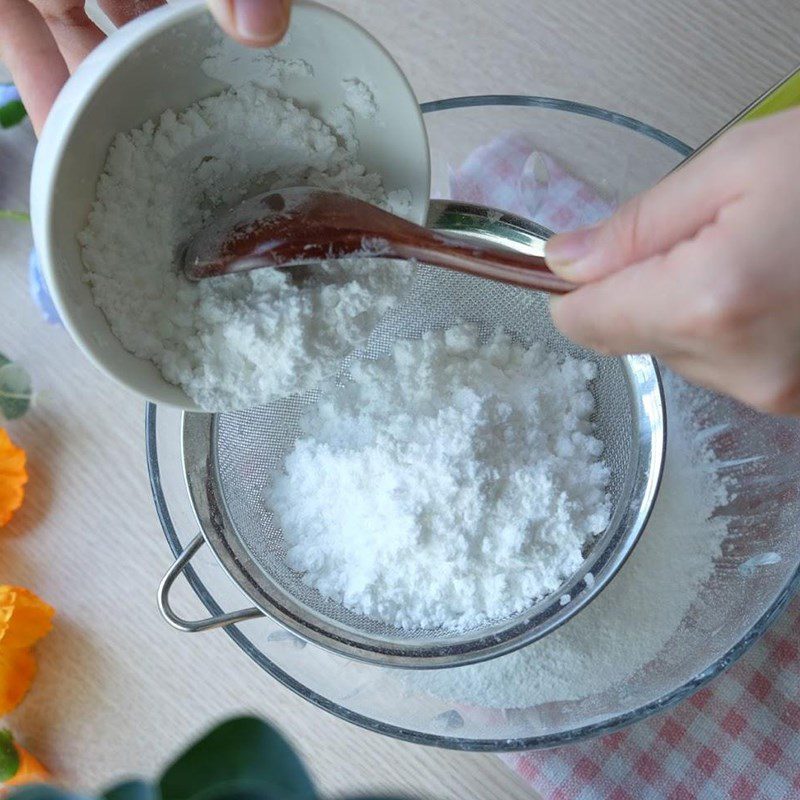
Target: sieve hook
{"points": [[195, 626]]}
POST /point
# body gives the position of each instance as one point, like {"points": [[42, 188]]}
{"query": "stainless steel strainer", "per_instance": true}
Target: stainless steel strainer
{"points": [[229, 459]]}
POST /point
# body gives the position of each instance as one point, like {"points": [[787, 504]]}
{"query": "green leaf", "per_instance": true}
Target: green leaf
{"points": [[11, 113], [131, 790], [9, 756], [18, 216], [16, 391], [245, 753]]}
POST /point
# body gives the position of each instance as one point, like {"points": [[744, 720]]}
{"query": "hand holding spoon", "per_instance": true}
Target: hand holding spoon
{"points": [[295, 227]]}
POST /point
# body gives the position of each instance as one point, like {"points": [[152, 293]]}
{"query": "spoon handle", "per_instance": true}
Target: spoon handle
{"points": [[442, 250]]}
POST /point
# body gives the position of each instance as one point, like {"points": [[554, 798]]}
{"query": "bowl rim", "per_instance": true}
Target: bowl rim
{"points": [[575, 735]]}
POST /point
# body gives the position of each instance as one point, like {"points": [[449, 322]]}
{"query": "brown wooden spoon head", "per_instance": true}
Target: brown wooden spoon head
{"points": [[292, 227]]}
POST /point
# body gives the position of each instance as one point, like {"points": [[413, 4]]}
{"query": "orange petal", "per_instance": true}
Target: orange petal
{"points": [[17, 668], [24, 618], [30, 770], [13, 477]]}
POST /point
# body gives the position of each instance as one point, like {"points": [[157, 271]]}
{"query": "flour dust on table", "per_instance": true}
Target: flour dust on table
{"points": [[240, 340], [450, 483]]}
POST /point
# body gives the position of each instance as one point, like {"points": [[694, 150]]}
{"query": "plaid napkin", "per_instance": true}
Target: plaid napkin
{"points": [[510, 174], [738, 739]]}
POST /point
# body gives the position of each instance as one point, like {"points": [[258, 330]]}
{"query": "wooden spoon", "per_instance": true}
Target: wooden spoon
{"points": [[296, 227]]}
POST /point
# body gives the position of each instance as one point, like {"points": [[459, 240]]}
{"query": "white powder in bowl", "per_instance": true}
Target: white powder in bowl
{"points": [[448, 484], [633, 619], [241, 340], [358, 97]]}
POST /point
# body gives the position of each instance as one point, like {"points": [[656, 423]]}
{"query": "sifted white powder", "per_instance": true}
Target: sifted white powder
{"points": [[447, 484], [240, 340], [633, 619]]}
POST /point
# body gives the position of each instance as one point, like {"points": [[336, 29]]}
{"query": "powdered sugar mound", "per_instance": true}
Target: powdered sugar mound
{"points": [[240, 340], [448, 484], [632, 620], [359, 101], [359, 98]]}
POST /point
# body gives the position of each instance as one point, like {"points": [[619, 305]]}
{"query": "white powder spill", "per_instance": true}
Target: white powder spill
{"points": [[447, 484], [240, 340], [635, 616], [358, 97]]}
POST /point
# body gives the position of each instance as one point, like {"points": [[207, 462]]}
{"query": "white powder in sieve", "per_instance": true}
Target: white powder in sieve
{"points": [[447, 484], [240, 340], [632, 620]]}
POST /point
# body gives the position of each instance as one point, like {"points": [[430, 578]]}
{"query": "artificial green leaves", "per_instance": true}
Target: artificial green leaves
{"points": [[12, 113], [16, 391], [241, 759], [9, 756]]}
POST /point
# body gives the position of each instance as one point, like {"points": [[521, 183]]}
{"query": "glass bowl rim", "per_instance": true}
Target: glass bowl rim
{"points": [[454, 742]]}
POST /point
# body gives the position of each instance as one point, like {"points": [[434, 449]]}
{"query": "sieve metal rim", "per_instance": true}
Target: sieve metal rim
{"points": [[201, 472]]}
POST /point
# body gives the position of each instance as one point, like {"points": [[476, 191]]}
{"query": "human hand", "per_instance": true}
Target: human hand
{"points": [[43, 41], [702, 271]]}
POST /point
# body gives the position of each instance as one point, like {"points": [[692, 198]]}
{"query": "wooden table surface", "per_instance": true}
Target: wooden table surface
{"points": [[118, 690]]}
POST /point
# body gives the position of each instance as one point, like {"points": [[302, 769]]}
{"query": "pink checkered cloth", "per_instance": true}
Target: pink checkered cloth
{"points": [[737, 739]]}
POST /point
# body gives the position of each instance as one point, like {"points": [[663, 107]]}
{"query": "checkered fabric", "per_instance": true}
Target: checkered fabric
{"points": [[510, 174], [737, 739]]}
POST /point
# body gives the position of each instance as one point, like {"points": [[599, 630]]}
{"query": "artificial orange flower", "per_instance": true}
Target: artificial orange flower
{"points": [[31, 770], [17, 765], [17, 669], [24, 619], [13, 477]]}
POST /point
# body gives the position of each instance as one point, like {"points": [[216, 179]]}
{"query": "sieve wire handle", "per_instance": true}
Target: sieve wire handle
{"points": [[195, 626]]}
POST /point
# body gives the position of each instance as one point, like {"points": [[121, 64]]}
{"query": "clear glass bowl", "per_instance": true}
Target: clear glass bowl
{"points": [[620, 156]]}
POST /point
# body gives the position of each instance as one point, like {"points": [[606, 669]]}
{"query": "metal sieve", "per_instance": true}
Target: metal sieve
{"points": [[229, 459]]}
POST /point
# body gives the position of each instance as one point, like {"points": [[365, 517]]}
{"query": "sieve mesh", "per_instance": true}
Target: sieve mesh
{"points": [[231, 460], [251, 445]]}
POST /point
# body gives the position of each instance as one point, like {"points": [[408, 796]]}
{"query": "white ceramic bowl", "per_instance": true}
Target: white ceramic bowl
{"points": [[155, 63]]}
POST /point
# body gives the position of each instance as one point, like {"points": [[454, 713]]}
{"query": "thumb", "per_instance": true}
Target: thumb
{"points": [[650, 224], [257, 23]]}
